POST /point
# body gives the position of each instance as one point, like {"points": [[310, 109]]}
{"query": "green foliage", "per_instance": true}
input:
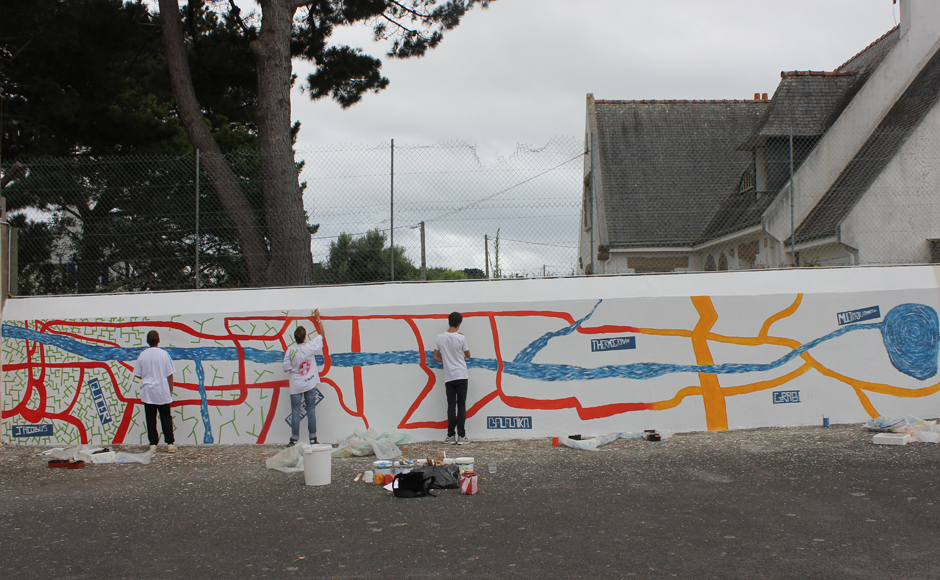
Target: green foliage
{"points": [[445, 274], [365, 259], [412, 27]]}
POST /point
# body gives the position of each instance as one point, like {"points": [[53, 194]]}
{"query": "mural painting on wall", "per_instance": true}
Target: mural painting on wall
{"points": [[72, 381]]}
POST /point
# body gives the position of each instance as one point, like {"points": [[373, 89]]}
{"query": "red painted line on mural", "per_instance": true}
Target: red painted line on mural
{"points": [[428, 387], [37, 384], [263, 435], [357, 375]]}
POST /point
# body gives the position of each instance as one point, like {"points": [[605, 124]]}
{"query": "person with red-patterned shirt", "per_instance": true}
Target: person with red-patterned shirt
{"points": [[300, 361]]}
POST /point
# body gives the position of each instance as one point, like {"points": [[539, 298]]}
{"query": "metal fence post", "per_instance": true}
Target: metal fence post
{"points": [[391, 228], [424, 263]]}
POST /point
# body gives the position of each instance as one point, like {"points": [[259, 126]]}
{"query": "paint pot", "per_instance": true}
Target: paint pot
{"points": [[318, 464], [383, 466], [404, 466], [555, 441], [825, 421], [449, 461], [421, 462], [379, 479], [464, 464]]}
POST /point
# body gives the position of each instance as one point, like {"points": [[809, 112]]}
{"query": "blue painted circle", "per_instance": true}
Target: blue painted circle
{"points": [[911, 334]]}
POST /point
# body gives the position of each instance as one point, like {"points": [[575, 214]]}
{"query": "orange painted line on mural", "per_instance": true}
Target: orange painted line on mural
{"points": [[768, 384], [674, 402], [786, 312], [716, 412]]}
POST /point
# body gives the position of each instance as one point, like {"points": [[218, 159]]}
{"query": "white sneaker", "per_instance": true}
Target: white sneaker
{"points": [[153, 448], [171, 448], [452, 439], [462, 440]]}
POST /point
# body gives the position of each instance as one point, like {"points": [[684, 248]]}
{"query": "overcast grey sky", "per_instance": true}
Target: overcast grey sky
{"points": [[519, 71]]}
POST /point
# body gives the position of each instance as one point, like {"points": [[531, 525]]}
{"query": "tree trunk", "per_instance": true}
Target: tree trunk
{"points": [[237, 208], [291, 262]]}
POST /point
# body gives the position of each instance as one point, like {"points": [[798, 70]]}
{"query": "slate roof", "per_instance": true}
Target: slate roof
{"points": [[666, 165], [805, 102], [809, 102], [880, 148]]}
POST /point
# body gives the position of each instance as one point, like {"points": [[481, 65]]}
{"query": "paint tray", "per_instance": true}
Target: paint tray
{"points": [[891, 439]]}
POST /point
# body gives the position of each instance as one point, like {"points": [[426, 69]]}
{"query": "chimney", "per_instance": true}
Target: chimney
{"points": [[756, 96], [763, 97]]}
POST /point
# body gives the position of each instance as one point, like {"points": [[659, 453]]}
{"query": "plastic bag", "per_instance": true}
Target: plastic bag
{"points": [[445, 476], [124, 457], [360, 444], [884, 424], [288, 460]]}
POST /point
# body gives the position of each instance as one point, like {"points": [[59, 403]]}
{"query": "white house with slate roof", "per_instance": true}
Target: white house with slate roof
{"points": [[708, 185]]}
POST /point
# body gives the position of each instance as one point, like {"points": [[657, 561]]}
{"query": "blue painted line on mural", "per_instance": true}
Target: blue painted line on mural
{"points": [[910, 333], [203, 403]]}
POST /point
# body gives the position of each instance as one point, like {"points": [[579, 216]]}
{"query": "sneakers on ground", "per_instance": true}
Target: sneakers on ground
{"points": [[153, 448], [452, 439], [170, 448], [292, 442], [313, 441], [462, 440]]}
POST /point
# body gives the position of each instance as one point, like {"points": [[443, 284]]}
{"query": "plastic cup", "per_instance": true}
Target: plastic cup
{"points": [[825, 421], [492, 466], [555, 441]]}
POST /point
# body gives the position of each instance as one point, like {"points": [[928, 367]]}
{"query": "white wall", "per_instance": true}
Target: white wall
{"points": [[899, 212], [375, 375]]}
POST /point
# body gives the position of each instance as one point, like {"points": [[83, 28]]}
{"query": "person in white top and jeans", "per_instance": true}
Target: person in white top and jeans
{"points": [[155, 370], [452, 351], [300, 361]]}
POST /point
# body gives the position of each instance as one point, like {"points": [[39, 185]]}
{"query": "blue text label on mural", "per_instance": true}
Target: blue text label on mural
{"points": [[104, 414], [509, 422], [786, 397], [858, 315], [40, 430], [616, 343]]}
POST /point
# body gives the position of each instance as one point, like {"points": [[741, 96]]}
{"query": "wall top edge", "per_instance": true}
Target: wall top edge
{"points": [[445, 297]]}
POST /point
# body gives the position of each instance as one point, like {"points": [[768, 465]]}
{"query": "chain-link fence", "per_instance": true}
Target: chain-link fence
{"points": [[136, 223], [735, 199], [642, 204]]}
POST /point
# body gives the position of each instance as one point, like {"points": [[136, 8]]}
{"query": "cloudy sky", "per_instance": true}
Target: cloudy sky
{"points": [[518, 72]]}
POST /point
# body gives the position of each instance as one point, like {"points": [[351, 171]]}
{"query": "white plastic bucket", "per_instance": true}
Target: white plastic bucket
{"points": [[318, 464]]}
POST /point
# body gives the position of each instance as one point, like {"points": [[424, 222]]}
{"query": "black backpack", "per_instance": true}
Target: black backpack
{"points": [[412, 484]]}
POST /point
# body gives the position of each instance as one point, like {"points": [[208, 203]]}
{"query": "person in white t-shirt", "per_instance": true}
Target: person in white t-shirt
{"points": [[155, 369], [300, 361], [451, 350]]}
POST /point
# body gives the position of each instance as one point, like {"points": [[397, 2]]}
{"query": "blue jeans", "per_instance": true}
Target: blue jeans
{"points": [[310, 397]]}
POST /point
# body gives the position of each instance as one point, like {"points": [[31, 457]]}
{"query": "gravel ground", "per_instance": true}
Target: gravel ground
{"points": [[763, 503]]}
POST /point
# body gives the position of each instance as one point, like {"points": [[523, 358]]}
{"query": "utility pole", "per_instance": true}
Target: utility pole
{"points": [[391, 228], [424, 264], [486, 253]]}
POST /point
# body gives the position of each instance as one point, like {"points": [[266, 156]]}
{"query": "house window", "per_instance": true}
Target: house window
{"points": [[710, 264]]}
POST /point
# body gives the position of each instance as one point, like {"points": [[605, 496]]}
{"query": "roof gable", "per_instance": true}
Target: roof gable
{"points": [[666, 165]]}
